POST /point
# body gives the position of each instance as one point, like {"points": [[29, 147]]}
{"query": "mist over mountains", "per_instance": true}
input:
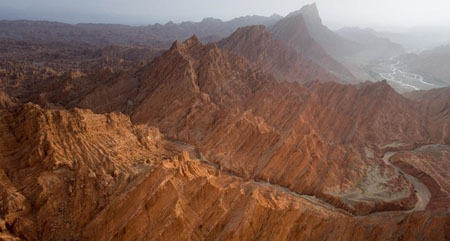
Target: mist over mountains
{"points": [[254, 128]]}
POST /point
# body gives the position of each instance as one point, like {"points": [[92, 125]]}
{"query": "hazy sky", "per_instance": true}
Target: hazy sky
{"points": [[374, 13]]}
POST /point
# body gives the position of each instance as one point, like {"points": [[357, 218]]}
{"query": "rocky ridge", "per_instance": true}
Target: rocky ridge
{"points": [[259, 46], [243, 150], [99, 177], [293, 31]]}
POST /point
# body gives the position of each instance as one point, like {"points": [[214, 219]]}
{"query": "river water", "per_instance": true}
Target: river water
{"points": [[395, 73]]}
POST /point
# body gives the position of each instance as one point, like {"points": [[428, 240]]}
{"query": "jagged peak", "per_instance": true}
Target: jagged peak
{"points": [[175, 45], [310, 8], [309, 12], [192, 41]]}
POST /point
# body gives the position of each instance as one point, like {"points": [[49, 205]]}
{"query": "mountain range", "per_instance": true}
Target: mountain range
{"points": [[157, 35], [432, 63], [260, 134]]}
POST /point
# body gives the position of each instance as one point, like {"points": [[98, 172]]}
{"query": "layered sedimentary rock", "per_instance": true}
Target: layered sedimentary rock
{"points": [[60, 168], [258, 128], [250, 156], [242, 118], [73, 174]]}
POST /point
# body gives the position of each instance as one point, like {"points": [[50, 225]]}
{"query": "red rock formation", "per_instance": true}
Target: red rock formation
{"points": [[78, 175], [64, 74], [258, 45], [294, 32], [435, 104], [60, 168], [276, 160], [251, 125]]}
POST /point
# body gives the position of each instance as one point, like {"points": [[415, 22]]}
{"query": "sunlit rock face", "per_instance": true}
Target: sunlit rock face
{"points": [[254, 137], [79, 175]]}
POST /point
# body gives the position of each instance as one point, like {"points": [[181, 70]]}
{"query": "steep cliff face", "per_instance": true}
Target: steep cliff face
{"points": [[333, 44], [242, 118], [245, 155], [60, 168], [77, 175], [256, 127], [258, 45]]}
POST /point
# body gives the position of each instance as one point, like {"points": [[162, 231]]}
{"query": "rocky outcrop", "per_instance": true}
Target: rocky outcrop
{"points": [[73, 174], [63, 74], [250, 156], [243, 119], [252, 125], [60, 168]]}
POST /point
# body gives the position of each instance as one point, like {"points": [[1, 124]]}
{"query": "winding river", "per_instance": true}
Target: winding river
{"points": [[422, 192], [405, 79]]}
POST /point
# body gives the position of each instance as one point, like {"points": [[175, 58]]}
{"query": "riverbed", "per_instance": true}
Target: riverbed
{"points": [[396, 73]]}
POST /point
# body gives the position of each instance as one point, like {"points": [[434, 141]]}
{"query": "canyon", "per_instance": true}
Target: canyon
{"points": [[258, 134]]}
